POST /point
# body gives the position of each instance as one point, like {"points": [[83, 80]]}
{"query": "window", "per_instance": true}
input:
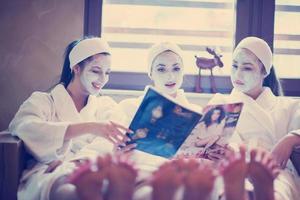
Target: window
{"points": [[132, 26], [287, 38]]}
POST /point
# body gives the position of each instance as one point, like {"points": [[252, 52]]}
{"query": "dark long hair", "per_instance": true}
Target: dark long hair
{"points": [[66, 73], [207, 117], [273, 83]]}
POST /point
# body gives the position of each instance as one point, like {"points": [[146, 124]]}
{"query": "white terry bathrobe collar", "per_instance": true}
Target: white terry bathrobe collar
{"points": [[258, 110]]}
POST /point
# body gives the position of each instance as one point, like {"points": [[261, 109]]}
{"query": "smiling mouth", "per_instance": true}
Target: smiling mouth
{"points": [[238, 82], [97, 86], [170, 85]]}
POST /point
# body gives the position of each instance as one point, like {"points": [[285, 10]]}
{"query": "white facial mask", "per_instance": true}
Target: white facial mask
{"points": [[95, 74], [167, 72], [250, 80], [246, 75]]}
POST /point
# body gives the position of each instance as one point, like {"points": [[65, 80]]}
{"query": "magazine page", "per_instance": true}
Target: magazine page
{"points": [[213, 131], [161, 125]]}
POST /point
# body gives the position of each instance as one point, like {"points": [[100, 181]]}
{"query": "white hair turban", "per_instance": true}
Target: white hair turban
{"points": [[86, 48], [159, 48], [259, 48]]}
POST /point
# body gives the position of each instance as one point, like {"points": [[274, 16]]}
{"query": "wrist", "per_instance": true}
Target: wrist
{"points": [[293, 139], [93, 128]]}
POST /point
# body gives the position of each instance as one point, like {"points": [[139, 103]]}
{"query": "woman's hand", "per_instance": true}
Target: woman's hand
{"points": [[125, 149], [283, 150], [112, 131]]}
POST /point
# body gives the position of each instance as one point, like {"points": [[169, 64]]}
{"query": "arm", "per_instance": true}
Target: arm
{"points": [[45, 137], [283, 149]]}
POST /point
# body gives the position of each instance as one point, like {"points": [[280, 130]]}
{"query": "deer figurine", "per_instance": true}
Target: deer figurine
{"points": [[208, 63]]}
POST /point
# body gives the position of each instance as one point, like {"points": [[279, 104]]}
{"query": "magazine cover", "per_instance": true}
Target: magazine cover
{"points": [[160, 125], [213, 131]]}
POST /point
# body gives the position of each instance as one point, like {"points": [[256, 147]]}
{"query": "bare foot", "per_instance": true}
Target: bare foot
{"points": [[166, 180], [88, 182], [117, 171], [262, 172], [199, 183], [234, 170], [121, 176]]}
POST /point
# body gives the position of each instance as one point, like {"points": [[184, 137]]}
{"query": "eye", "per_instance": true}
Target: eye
{"points": [[96, 71], [176, 69], [161, 69], [247, 68], [234, 66], [107, 73]]}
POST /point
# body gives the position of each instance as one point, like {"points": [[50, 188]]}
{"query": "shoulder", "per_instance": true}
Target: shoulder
{"points": [[104, 101], [130, 102], [218, 98], [38, 104], [38, 99], [288, 102]]}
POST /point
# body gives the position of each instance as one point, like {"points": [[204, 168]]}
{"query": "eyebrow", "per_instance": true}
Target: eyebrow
{"points": [[175, 64], [247, 63], [160, 65], [96, 67]]}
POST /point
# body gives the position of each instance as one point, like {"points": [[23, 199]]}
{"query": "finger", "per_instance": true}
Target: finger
{"points": [[111, 140], [253, 154], [116, 137], [266, 159], [243, 152], [283, 164], [121, 136], [128, 148], [119, 126]]}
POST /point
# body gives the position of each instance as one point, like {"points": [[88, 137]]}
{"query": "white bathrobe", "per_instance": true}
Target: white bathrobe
{"points": [[145, 162], [41, 123], [263, 122]]}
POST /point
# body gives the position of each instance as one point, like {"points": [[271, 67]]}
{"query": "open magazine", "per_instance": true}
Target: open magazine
{"points": [[165, 128]]}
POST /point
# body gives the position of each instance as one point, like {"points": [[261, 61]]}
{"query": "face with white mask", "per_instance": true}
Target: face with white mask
{"points": [[247, 74], [95, 73], [167, 72]]}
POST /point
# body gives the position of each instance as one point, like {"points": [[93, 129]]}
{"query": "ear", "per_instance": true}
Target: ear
{"points": [[76, 69], [150, 75]]}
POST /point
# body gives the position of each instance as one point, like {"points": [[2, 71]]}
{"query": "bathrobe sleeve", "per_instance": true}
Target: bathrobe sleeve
{"points": [[130, 107], [107, 110], [34, 124], [294, 125]]}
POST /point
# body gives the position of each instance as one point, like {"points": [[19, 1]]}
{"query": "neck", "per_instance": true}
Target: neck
{"points": [[254, 94], [78, 96]]}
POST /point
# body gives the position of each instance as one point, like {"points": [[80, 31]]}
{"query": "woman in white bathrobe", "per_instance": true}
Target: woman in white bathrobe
{"points": [[166, 70], [58, 126], [267, 120]]}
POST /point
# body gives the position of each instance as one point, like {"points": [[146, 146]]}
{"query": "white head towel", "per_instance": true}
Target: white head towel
{"points": [[260, 48], [86, 48], [159, 48]]}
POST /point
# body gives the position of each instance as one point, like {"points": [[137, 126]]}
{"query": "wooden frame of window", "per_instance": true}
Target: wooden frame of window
{"points": [[253, 18]]}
